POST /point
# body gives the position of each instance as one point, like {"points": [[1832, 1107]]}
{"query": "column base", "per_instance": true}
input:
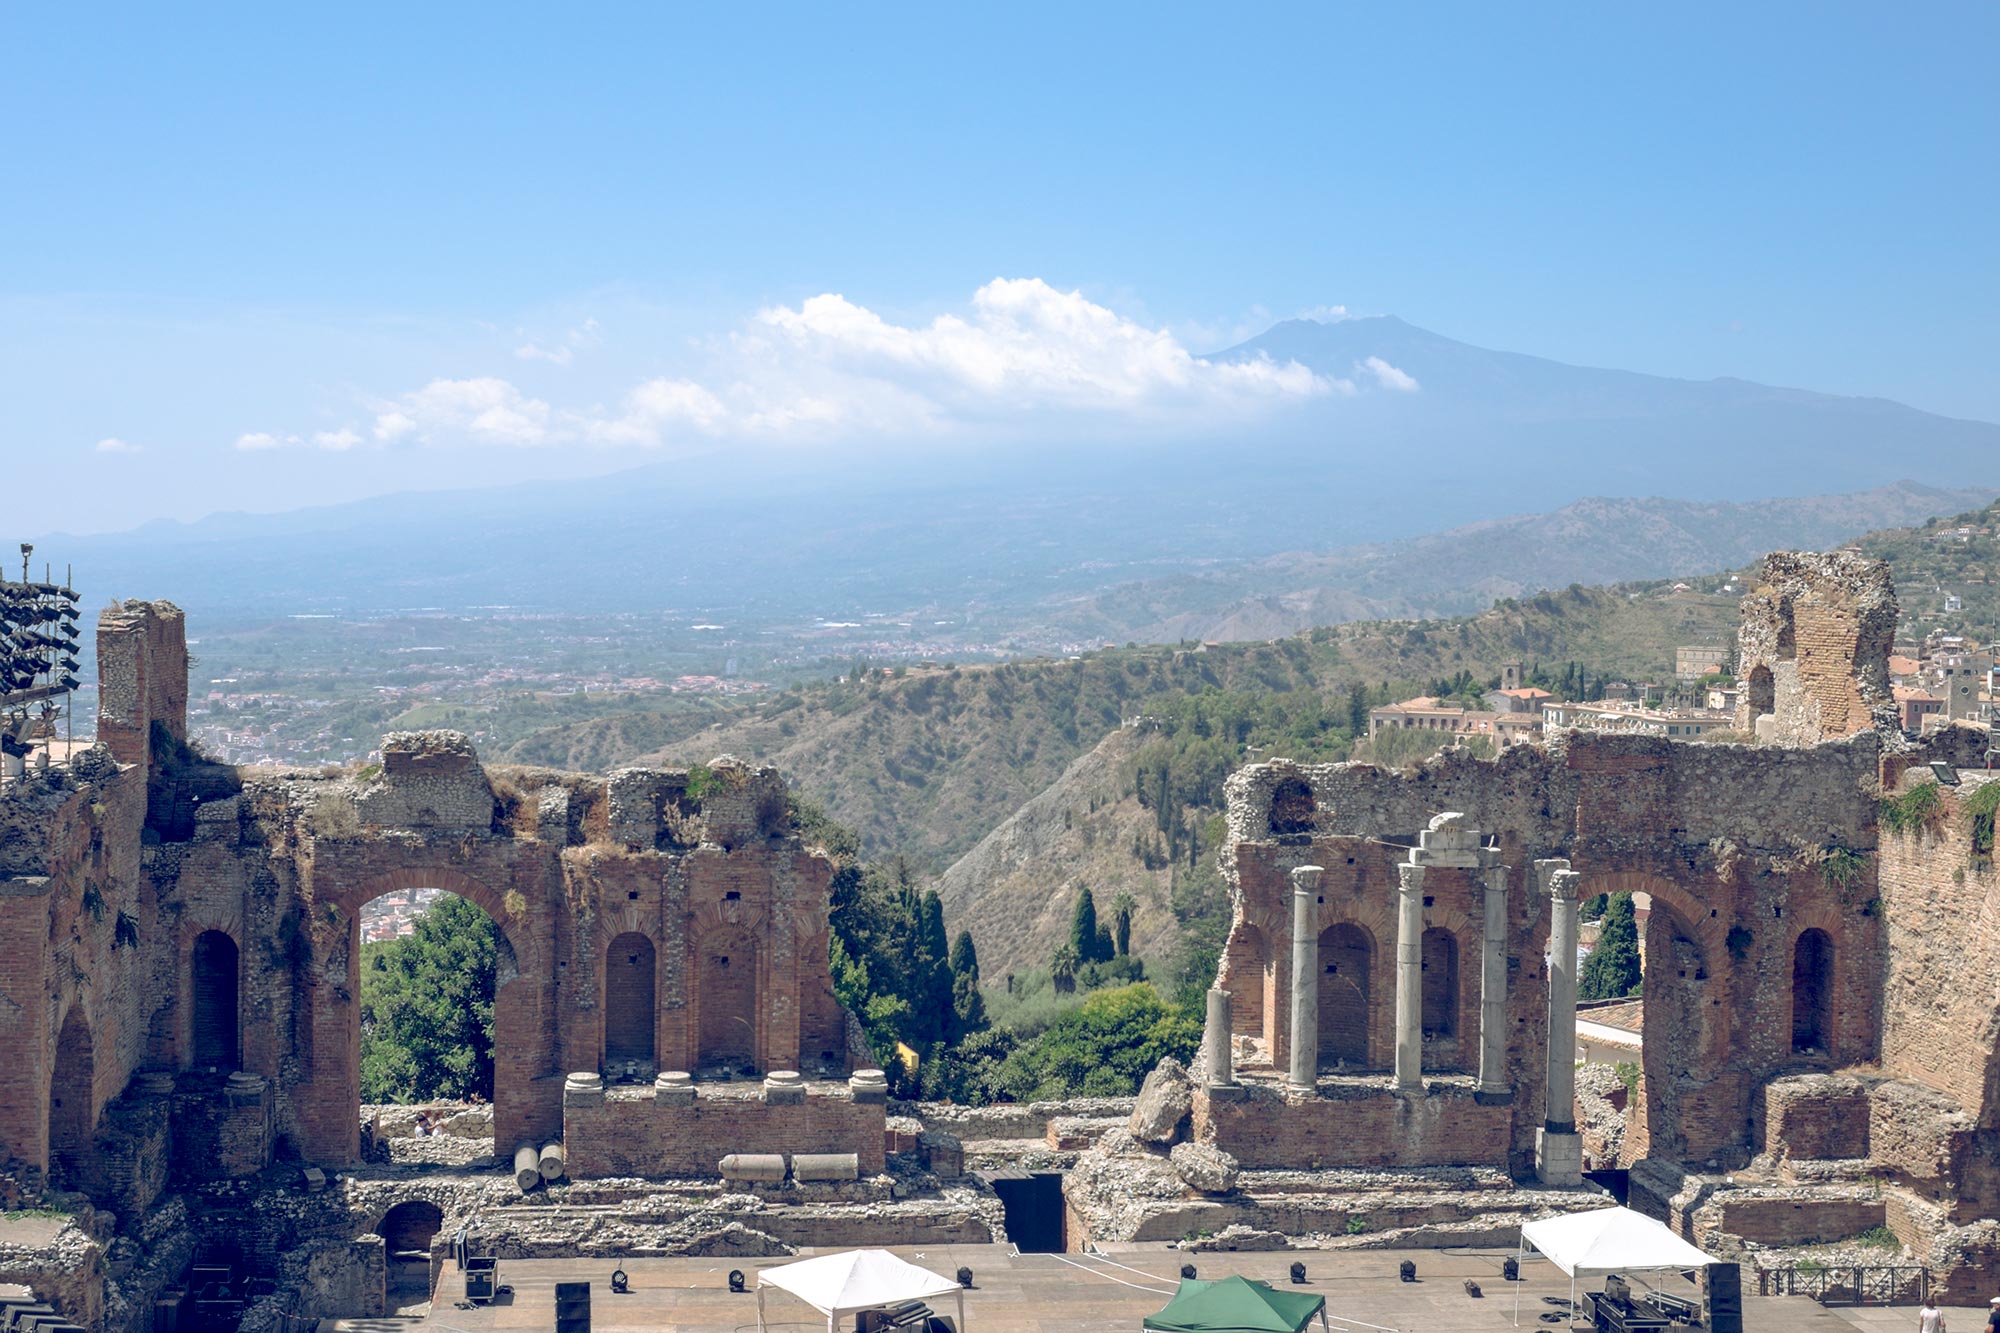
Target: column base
{"points": [[1494, 1097], [1558, 1158], [1225, 1092]]}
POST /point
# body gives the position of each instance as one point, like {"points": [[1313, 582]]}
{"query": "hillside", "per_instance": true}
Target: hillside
{"points": [[1017, 888], [1465, 569], [1946, 557], [926, 761]]}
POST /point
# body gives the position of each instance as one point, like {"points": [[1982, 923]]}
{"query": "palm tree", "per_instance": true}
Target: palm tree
{"points": [[1062, 969]]}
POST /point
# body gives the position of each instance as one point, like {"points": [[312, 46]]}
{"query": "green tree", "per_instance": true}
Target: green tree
{"points": [[1092, 945], [427, 1007], [1062, 969], [1612, 970], [967, 1004], [1122, 908]]}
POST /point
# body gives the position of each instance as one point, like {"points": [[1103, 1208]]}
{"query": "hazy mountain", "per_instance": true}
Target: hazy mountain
{"points": [[997, 539], [1463, 570]]}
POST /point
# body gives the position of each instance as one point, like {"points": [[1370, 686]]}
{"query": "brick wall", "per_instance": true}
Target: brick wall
{"points": [[633, 1132], [1368, 1126]]}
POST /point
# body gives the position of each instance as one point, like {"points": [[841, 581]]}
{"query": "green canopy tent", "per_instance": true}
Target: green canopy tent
{"points": [[1236, 1305]]}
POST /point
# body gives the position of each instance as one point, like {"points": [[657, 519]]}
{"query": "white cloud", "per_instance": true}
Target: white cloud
{"points": [[111, 444], [1389, 377], [337, 441], [484, 410], [1324, 314], [1022, 352], [561, 352]]}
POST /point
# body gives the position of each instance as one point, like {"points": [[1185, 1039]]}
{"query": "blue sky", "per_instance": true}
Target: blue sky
{"points": [[277, 256]]}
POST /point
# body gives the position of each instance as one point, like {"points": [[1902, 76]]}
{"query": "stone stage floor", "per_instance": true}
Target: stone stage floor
{"points": [[1042, 1293]]}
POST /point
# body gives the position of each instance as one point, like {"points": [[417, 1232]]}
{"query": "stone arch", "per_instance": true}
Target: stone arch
{"points": [[1292, 808], [1812, 992], [726, 990], [408, 1230], [1762, 692], [524, 1040], [1346, 974], [215, 1024], [72, 1098], [630, 1007]]}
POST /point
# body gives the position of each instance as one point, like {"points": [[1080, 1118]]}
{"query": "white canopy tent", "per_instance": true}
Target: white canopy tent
{"points": [[1603, 1241], [839, 1285]]}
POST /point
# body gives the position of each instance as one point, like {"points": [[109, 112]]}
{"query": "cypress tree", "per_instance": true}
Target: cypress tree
{"points": [[1083, 927], [1612, 970]]}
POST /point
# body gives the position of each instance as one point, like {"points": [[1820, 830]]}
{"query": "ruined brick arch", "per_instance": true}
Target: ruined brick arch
{"points": [[631, 1004], [72, 1107], [204, 996], [1813, 957], [1293, 809], [1704, 923], [1347, 988], [515, 931], [1763, 692]]}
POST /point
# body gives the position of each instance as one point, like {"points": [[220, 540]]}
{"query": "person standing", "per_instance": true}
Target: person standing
{"points": [[1930, 1319]]}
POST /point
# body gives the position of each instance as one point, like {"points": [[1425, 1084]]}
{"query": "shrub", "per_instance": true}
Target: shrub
{"points": [[1919, 808]]}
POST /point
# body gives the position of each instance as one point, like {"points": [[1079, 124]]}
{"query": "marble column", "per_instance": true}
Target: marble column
{"points": [[1410, 978], [1493, 984], [1558, 1147], [1305, 978], [1215, 1041]]}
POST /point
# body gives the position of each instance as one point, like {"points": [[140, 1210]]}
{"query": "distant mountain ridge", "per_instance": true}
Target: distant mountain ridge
{"points": [[1463, 570]]}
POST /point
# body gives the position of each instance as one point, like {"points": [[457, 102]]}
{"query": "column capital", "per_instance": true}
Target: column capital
{"points": [[1305, 879], [1410, 877], [1556, 878]]}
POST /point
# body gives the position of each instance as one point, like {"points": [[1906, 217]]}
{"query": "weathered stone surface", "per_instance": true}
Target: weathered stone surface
{"points": [[1165, 1099], [1204, 1167]]}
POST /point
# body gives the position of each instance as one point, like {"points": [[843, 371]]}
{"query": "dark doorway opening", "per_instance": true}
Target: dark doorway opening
{"points": [[1034, 1208], [216, 1024], [1618, 1183], [407, 1231]]}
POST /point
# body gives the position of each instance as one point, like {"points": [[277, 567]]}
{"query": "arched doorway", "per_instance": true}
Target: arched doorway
{"points": [[215, 1028], [407, 1231], [1440, 983], [1346, 954], [726, 981], [1763, 693], [628, 1001], [72, 1117], [1812, 992]]}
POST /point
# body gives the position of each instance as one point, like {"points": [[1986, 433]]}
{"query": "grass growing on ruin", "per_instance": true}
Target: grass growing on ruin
{"points": [[1982, 805], [1919, 808], [1841, 867], [1879, 1238]]}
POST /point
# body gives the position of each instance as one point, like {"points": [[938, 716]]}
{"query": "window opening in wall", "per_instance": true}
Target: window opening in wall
{"points": [[71, 1126], [216, 1022], [1812, 991], [1763, 692], [1292, 808]]}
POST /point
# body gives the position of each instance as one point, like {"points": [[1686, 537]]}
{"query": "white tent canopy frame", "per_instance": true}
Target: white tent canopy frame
{"points": [[844, 1284], [1603, 1241]]}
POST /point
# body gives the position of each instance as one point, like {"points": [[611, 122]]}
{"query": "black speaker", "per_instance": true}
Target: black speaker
{"points": [[1725, 1298], [572, 1307]]}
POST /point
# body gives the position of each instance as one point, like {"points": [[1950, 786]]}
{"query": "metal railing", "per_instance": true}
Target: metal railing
{"points": [[1848, 1284]]}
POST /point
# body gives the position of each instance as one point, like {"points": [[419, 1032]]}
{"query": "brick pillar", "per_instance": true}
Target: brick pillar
{"points": [[1493, 984], [1410, 978], [1305, 978], [1558, 1147]]}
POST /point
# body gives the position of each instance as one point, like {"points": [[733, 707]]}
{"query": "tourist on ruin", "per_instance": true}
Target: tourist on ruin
{"points": [[1930, 1319]]}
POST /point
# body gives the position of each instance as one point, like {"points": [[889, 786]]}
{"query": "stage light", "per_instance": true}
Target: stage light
{"points": [[736, 1279], [619, 1282]]}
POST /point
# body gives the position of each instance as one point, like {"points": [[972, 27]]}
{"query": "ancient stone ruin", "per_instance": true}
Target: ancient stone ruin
{"points": [[1390, 1046], [1397, 995]]}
